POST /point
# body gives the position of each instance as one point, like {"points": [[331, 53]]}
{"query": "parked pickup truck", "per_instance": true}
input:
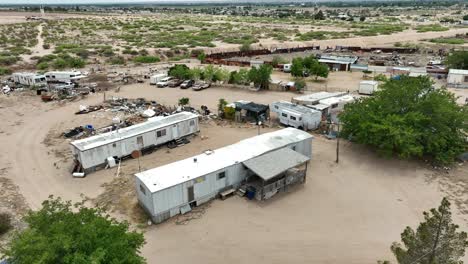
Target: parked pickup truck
{"points": [[164, 82]]}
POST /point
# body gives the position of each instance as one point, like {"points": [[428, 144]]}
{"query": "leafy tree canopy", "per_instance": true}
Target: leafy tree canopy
{"points": [[410, 118], [436, 240], [180, 71], [62, 233], [458, 60], [261, 76]]}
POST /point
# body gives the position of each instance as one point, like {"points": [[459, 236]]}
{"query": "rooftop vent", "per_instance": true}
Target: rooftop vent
{"points": [[195, 160], [209, 152]]}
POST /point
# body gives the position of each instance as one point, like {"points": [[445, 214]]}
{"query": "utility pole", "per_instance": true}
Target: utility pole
{"points": [[338, 143]]}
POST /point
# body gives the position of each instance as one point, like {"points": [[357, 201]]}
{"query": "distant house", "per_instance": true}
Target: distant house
{"points": [[457, 78], [338, 63]]}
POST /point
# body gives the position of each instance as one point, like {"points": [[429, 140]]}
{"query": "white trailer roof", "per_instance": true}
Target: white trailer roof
{"points": [[138, 129], [335, 100], [295, 107], [317, 96], [456, 71], [369, 82], [184, 170]]}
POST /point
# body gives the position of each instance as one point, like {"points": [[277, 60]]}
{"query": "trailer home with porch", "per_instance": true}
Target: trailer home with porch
{"points": [[265, 165], [93, 152]]}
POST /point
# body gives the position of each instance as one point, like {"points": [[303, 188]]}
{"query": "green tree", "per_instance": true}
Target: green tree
{"points": [[458, 60], [319, 15], [319, 70], [222, 104], [239, 77], [297, 68], [277, 60], [465, 17], [197, 73], [261, 77], [180, 71], [184, 101], [62, 233], [409, 118], [436, 240], [300, 83]]}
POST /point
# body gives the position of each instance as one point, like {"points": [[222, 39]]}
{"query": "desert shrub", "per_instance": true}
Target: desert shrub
{"points": [[117, 60], [46, 46], [42, 65], [146, 59], [429, 28], [453, 41], [4, 71], [8, 60]]}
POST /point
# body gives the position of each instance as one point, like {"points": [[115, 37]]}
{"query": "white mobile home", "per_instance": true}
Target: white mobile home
{"points": [[29, 79], [314, 98], [64, 76], [457, 78], [297, 116], [368, 87], [93, 152], [157, 78], [270, 160], [335, 105]]}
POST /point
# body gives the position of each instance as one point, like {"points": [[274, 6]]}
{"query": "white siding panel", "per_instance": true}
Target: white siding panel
{"points": [[168, 199], [144, 198]]}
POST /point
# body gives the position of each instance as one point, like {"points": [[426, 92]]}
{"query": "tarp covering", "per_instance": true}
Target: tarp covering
{"points": [[252, 107], [274, 163]]}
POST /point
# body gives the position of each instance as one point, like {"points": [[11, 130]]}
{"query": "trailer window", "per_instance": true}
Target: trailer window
{"points": [[276, 107], [300, 118], [161, 133], [142, 189], [283, 114], [292, 117], [221, 175], [334, 105], [192, 122], [114, 145]]}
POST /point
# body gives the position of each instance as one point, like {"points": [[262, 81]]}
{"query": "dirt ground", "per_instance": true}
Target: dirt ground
{"points": [[357, 207]]}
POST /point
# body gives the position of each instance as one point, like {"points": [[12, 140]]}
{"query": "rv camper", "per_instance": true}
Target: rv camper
{"points": [[335, 105], [368, 87], [29, 79], [59, 76], [287, 67], [93, 152], [297, 116], [157, 78]]}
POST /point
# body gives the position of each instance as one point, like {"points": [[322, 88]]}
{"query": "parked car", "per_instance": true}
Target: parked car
{"points": [[187, 84], [200, 86], [174, 83], [164, 82]]}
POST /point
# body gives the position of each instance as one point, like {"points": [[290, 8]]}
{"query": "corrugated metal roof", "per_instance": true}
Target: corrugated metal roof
{"points": [[457, 71], [184, 170], [120, 134], [274, 163]]}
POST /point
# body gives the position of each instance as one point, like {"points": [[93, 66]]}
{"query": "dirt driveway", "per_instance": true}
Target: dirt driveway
{"points": [[346, 213]]}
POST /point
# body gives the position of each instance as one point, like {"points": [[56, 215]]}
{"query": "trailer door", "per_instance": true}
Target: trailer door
{"points": [[175, 132]]}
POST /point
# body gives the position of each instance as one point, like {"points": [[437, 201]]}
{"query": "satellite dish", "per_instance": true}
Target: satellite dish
{"points": [[136, 154]]}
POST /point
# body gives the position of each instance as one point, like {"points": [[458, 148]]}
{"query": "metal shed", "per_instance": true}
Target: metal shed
{"points": [[458, 78], [92, 152], [176, 187]]}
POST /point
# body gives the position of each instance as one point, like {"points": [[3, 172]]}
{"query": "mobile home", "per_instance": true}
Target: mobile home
{"points": [[267, 164], [29, 79], [297, 116], [457, 78], [314, 98], [157, 78], [368, 87], [64, 76], [335, 106], [91, 153]]}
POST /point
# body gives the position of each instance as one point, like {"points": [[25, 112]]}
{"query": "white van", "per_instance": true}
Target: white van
{"points": [[157, 78]]}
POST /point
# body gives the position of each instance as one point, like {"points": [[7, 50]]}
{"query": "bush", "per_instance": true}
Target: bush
{"points": [[4, 71], [118, 60], [42, 66], [245, 47], [46, 46], [146, 59], [5, 223], [8, 60]]}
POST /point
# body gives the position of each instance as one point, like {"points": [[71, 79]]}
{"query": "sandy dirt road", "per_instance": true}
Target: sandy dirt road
{"points": [[346, 213]]}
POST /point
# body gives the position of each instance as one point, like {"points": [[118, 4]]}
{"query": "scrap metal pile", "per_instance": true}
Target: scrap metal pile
{"points": [[135, 111]]}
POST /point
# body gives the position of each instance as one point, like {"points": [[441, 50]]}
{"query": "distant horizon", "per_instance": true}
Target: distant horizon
{"points": [[178, 2]]}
